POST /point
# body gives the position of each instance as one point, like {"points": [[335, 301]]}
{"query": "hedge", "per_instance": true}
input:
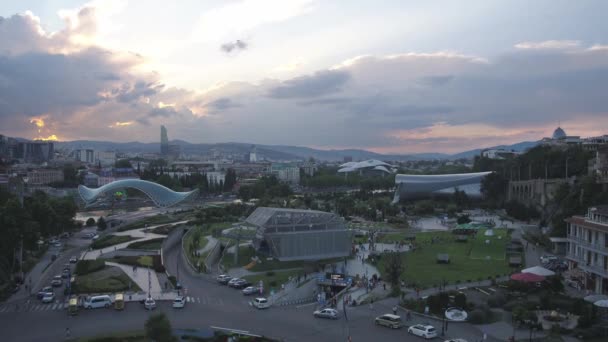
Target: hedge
{"points": [[89, 266]]}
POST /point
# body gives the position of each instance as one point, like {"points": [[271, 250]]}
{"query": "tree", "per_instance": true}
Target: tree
{"points": [[90, 222], [123, 164], [101, 223], [393, 269], [158, 328]]}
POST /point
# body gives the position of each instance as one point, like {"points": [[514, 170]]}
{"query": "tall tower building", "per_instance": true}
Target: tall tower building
{"points": [[253, 154], [164, 141]]}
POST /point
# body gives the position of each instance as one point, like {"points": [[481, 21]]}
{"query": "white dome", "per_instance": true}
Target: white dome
{"points": [[559, 133]]}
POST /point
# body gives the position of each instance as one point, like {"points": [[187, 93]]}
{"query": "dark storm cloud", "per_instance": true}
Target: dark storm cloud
{"points": [[221, 104], [318, 84], [234, 46], [132, 92]]}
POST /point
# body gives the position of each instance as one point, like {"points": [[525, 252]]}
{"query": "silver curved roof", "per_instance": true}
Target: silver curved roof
{"points": [[272, 218], [160, 195], [408, 186], [373, 164]]}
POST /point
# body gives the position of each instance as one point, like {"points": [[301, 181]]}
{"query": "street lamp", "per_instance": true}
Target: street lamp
{"points": [[443, 323]]}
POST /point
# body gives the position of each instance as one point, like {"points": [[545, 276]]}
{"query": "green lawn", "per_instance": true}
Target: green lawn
{"points": [[274, 280], [495, 249], [202, 242], [110, 240], [422, 269], [152, 244], [108, 280]]}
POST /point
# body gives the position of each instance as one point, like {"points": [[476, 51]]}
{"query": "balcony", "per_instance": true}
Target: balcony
{"points": [[599, 270], [598, 248]]}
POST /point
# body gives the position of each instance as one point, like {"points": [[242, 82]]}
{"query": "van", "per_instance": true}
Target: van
{"points": [[95, 302], [388, 320]]}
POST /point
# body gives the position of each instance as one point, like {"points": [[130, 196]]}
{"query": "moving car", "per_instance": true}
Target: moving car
{"points": [[423, 330], [389, 320], [233, 281], [95, 302], [179, 302], [326, 313], [149, 304], [250, 290], [240, 284], [56, 282], [65, 273], [260, 303], [223, 279], [44, 291], [73, 260], [48, 298]]}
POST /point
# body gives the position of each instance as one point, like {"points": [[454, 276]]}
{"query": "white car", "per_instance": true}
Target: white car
{"points": [[233, 281], [456, 340], [260, 303], [326, 313], [179, 302], [546, 258], [56, 282], [149, 304], [423, 330], [48, 297]]}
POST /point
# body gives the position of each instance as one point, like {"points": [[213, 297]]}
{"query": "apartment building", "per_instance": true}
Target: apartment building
{"points": [[588, 247]]}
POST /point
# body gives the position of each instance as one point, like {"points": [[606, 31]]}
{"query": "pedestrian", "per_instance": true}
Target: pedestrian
{"points": [[371, 305], [408, 316], [384, 285], [68, 333], [395, 310]]}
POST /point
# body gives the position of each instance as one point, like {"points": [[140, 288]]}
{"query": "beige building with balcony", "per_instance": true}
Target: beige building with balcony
{"points": [[588, 247]]}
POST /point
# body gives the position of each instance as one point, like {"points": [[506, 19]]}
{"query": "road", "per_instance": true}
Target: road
{"points": [[209, 304]]}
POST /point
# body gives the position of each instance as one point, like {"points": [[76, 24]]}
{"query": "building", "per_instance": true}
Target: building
{"points": [[309, 168], [287, 173], [253, 154], [216, 177], [296, 234], [498, 153], [534, 192], [598, 166], [84, 155], [44, 176], [91, 180], [421, 186], [561, 139], [587, 248], [35, 152], [164, 141], [105, 158], [368, 167]]}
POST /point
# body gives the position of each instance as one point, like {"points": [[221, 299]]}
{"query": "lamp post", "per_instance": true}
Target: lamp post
{"points": [[443, 325]]}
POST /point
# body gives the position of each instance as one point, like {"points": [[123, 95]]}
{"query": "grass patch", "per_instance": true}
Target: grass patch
{"points": [[152, 244], [89, 266], [494, 250], [140, 261], [110, 240], [192, 247], [110, 279], [421, 268], [273, 279], [153, 220], [129, 336]]}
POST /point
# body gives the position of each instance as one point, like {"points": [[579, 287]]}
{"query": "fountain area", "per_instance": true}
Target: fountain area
{"points": [[548, 319]]}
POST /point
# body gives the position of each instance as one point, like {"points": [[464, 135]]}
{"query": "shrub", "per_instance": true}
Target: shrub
{"points": [[460, 300], [90, 222], [270, 273], [476, 317], [496, 300], [157, 265], [89, 266]]}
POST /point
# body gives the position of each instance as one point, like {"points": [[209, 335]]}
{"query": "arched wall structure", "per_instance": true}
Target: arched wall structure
{"points": [[416, 186], [160, 195]]}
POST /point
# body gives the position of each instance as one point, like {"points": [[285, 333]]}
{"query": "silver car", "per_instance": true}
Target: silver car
{"points": [[326, 313]]}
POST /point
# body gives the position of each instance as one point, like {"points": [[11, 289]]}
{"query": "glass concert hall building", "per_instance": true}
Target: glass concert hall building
{"points": [[160, 195]]}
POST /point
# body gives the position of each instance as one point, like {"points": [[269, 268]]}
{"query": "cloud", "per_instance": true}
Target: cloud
{"points": [[221, 104], [549, 44], [234, 46], [320, 83]]}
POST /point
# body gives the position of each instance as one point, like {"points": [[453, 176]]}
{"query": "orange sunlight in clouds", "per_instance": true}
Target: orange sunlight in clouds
{"points": [[51, 137], [121, 124]]}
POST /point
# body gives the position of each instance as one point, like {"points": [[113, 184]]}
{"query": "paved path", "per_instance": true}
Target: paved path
{"points": [[211, 242], [140, 277]]}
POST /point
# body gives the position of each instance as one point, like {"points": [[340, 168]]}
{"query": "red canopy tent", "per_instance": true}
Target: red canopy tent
{"points": [[527, 277]]}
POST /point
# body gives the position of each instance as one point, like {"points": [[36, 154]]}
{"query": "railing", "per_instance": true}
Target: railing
{"points": [[583, 265], [584, 243]]}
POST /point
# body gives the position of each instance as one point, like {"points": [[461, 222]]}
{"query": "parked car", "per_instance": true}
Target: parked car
{"points": [[326, 313], [389, 320], [456, 340], [233, 281], [241, 284], [250, 290], [149, 304], [95, 237], [423, 330], [73, 260], [49, 297], [44, 291], [223, 278], [56, 282], [260, 303], [94, 302], [547, 257], [179, 302]]}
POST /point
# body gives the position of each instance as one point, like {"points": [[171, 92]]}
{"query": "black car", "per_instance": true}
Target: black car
{"points": [[241, 284]]}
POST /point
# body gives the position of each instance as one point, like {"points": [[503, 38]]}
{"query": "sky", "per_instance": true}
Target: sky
{"points": [[393, 77]]}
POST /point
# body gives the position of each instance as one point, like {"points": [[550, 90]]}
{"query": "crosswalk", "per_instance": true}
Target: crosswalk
{"points": [[205, 300], [37, 306], [32, 307]]}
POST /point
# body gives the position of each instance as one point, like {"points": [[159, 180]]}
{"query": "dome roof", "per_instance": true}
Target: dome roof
{"points": [[559, 133]]}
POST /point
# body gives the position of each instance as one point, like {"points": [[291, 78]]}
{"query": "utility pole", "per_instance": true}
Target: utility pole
{"points": [[567, 167]]}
